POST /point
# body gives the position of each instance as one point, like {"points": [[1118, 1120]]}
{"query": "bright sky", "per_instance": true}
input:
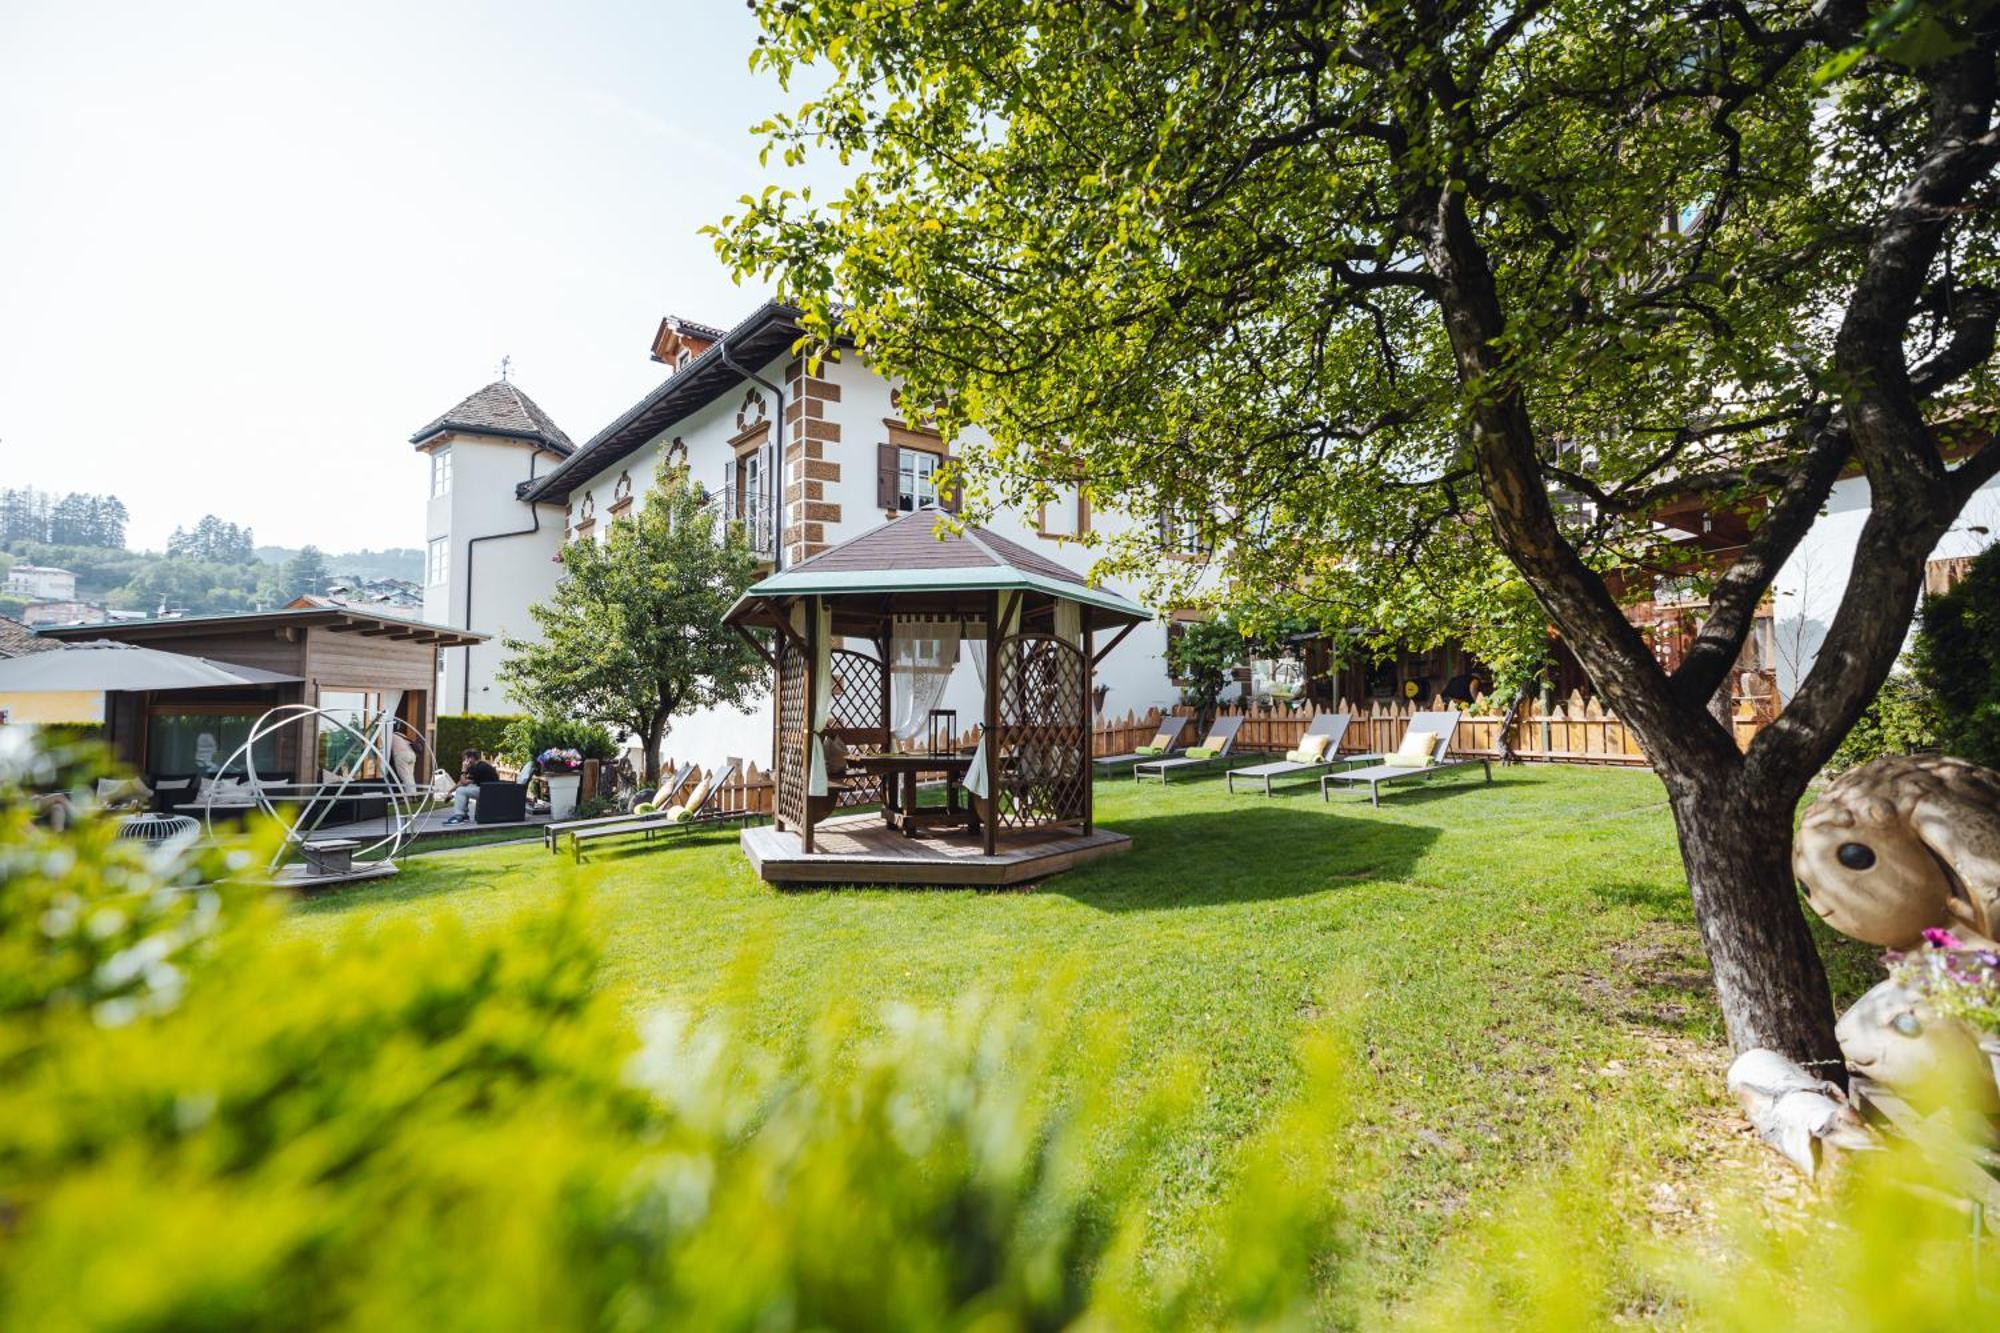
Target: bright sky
{"points": [[247, 248]]}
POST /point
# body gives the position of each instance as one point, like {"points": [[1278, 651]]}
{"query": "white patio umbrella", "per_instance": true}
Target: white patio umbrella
{"points": [[99, 666]]}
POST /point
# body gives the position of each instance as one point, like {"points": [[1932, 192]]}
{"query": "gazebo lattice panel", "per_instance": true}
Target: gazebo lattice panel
{"points": [[1043, 747], [856, 709], [789, 772]]}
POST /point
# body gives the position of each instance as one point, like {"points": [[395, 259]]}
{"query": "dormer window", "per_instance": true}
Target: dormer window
{"points": [[682, 359]]}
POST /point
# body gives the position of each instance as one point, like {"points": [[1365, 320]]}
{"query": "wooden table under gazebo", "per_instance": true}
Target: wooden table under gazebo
{"points": [[863, 640]]}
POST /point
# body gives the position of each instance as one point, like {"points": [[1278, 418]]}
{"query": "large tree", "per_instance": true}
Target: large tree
{"points": [[1348, 282], [633, 636]]}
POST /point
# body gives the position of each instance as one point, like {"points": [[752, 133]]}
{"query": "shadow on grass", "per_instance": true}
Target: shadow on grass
{"points": [[440, 878], [1263, 852]]}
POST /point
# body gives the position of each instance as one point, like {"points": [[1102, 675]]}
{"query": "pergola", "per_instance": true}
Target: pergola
{"points": [[863, 635]]}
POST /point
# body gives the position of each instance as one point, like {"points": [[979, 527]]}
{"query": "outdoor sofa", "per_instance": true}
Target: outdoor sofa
{"points": [[1413, 761], [1199, 758], [1326, 729]]}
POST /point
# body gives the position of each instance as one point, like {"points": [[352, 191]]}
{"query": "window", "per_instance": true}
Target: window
{"points": [[1067, 515], [343, 753], [916, 480], [440, 472], [181, 740], [1181, 536], [438, 566]]}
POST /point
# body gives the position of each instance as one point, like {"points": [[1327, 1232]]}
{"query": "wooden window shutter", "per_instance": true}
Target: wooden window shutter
{"points": [[948, 498], [729, 490], [887, 459], [767, 479]]}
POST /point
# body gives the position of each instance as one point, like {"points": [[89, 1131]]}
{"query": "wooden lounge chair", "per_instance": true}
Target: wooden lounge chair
{"points": [[672, 783], [1332, 726], [1165, 745], [700, 811], [1442, 725], [1213, 750]]}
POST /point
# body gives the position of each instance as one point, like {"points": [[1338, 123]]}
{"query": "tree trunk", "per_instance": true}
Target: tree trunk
{"points": [[656, 727], [1737, 849]]}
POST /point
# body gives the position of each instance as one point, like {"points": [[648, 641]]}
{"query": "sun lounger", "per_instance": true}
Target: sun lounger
{"points": [[1331, 727], [1165, 745], [672, 783], [1213, 750], [1427, 763], [701, 811]]}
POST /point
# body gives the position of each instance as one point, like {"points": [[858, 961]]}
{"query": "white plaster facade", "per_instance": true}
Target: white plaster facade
{"points": [[1807, 591], [486, 562]]}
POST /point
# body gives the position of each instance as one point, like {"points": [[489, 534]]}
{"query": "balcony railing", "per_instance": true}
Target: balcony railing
{"points": [[755, 516]]}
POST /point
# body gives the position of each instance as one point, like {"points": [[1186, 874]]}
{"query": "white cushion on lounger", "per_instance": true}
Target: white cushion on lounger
{"points": [[1416, 751]]}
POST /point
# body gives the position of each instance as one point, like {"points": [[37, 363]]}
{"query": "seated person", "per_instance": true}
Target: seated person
{"points": [[473, 770]]}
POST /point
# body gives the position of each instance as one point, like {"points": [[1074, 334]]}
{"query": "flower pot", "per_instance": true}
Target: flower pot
{"points": [[562, 794]]}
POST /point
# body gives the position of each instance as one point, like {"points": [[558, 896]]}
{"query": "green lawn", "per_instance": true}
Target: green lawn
{"points": [[1513, 966]]}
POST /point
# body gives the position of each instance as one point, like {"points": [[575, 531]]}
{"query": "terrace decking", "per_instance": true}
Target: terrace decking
{"points": [[861, 849]]}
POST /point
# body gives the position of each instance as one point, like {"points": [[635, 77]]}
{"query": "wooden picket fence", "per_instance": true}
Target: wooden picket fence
{"points": [[750, 790], [1573, 731]]}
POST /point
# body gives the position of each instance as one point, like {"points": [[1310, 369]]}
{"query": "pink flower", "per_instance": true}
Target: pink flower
{"points": [[1939, 938]]}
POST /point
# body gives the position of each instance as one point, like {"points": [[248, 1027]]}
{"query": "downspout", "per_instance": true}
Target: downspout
{"points": [[535, 509], [776, 483]]}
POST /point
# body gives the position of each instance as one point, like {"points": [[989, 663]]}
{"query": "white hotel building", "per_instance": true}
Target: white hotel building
{"points": [[804, 460]]}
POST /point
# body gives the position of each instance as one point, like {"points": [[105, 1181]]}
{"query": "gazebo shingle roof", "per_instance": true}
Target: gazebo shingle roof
{"points": [[911, 555], [500, 409], [914, 542]]}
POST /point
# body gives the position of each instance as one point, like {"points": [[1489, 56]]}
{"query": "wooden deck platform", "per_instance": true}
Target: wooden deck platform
{"points": [[860, 849]]}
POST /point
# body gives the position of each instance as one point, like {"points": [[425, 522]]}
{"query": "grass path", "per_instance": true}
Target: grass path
{"points": [[1514, 967]]}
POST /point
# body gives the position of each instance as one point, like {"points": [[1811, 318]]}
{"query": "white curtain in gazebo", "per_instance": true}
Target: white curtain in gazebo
{"points": [[1010, 621], [922, 652], [1069, 622], [822, 696]]}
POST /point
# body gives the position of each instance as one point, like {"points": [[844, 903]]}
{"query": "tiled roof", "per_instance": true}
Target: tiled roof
{"points": [[768, 331], [692, 329], [500, 409], [911, 555], [17, 640]]}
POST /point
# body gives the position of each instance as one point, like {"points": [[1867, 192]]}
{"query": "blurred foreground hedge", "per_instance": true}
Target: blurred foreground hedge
{"points": [[205, 1123]]}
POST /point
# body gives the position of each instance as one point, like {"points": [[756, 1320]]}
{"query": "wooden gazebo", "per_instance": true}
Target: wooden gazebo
{"points": [[857, 635]]}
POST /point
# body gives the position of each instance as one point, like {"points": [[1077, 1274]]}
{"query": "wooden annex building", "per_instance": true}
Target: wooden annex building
{"points": [[863, 640], [367, 665]]}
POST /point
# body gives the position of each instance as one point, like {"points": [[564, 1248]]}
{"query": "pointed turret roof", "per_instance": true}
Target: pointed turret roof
{"points": [[500, 409]]}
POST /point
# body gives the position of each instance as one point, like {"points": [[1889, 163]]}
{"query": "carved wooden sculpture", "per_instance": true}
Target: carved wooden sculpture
{"points": [[1901, 844]]}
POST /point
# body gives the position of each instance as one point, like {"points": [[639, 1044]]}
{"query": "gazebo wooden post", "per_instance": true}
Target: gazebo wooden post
{"points": [[812, 686], [777, 730], [989, 832], [1083, 708]]}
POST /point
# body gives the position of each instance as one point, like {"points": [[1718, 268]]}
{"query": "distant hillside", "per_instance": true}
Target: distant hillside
{"points": [[149, 580], [398, 562]]}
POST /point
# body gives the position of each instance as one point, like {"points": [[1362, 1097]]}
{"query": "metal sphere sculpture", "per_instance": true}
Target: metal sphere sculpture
{"points": [[362, 749]]}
